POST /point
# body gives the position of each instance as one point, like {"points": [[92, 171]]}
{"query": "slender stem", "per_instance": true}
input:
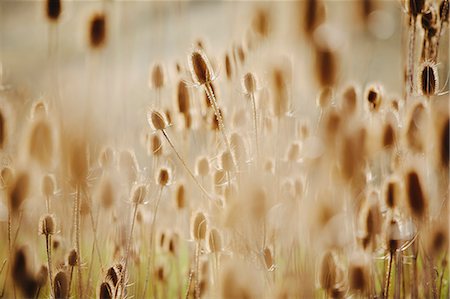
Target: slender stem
{"points": [[212, 100], [77, 240], [184, 165], [152, 249], [37, 293], [398, 274], [70, 279], [48, 240], [388, 276], [127, 254], [197, 270], [189, 284], [255, 126]]}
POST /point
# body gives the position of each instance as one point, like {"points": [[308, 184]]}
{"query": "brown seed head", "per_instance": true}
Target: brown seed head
{"points": [[48, 185], [18, 192], [164, 177], [428, 79], [157, 120], [61, 285], [180, 197], [157, 76], [416, 198], [416, 7], [53, 9], [41, 143], [138, 194], [42, 276], [357, 277], [349, 100], [443, 11], [200, 67], [327, 271], [373, 97], [105, 291], [47, 225], [214, 240], [97, 30], [72, 258], [6, 177], [183, 97], [198, 226], [249, 83]]}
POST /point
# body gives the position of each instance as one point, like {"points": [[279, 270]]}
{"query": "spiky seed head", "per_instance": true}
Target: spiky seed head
{"points": [[97, 30], [53, 9], [202, 166], [48, 185], [112, 275], [107, 157], [78, 162], [227, 161], [200, 67], [40, 146], [349, 100], [6, 177], [357, 277], [325, 97], [326, 64], [61, 285], [180, 197], [373, 97], [198, 226], [47, 225], [428, 79], [157, 120], [138, 194], [164, 177], [415, 195], [214, 240], [18, 192], [249, 83], [183, 97], [268, 259], [105, 291], [416, 7], [72, 258], [428, 18], [157, 76], [443, 11], [327, 271]]}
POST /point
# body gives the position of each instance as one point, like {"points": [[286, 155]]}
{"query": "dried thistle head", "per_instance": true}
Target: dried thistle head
{"points": [[428, 79], [53, 9], [183, 97], [392, 193], [138, 194], [6, 177], [61, 285], [416, 200], [78, 162], [47, 225], [40, 142], [157, 76], [157, 120], [358, 277], [249, 83], [97, 30], [48, 186], [180, 197], [18, 191], [200, 68], [198, 226], [326, 65], [72, 258], [105, 291], [373, 97], [164, 176]]}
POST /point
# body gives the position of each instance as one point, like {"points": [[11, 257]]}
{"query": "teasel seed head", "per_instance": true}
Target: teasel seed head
{"points": [[157, 77], [53, 9], [227, 161], [325, 97], [261, 23], [47, 225], [18, 191], [202, 166], [40, 143], [326, 64], [180, 197], [61, 285], [373, 96], [392, 193], [198, 226], [48, 185], [428, 79], [97, 30], [200, 67], [105, 291], [21, 273], [183, 98], [415, 195], [443, 11], [249, 83], [72, 258], [327, 272], [268, 258], [157, 120], [6, 177], [106, 158], [416, 7], [138, 194], [164, 177], [357, 277]]}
